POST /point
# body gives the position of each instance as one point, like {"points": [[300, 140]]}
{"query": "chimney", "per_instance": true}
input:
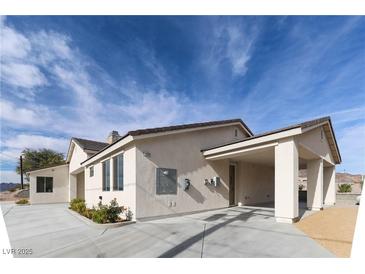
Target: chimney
{"points": [[113, 136]]}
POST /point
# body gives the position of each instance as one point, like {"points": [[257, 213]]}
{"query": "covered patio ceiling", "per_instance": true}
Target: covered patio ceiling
{"points": [[264, 154]]}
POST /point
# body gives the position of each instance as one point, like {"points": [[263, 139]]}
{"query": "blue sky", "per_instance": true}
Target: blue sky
{"points": [[85, 76]]}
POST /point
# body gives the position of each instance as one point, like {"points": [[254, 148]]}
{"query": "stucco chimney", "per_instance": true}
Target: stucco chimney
{"points": [[113, 136]]}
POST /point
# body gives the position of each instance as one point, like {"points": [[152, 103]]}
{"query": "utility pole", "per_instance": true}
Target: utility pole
{"points": [[21, 171]]}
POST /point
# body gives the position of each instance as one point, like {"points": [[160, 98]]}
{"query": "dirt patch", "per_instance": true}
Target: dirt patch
{"points": [[15, 195], [332, 228]]}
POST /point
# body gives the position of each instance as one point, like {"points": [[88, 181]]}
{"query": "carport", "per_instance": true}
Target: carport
{"points": [[264, 168]]}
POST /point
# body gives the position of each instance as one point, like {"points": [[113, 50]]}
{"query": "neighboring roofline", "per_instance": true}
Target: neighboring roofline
{"points": [[311, 124], [48, 167], [148, 131]]}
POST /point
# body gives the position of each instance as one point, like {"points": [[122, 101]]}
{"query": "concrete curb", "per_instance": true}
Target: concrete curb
{"points": [[96, 225]]}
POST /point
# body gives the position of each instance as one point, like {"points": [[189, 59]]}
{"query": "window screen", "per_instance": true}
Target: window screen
{"points": [[118, 172], [106, 175], [91, 171], [44, 184], [166, 181]]}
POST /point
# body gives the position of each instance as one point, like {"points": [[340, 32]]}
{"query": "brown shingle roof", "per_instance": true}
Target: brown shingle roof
{"points": [[90, 144], [187, 126], [302, 125], [171, 128]]}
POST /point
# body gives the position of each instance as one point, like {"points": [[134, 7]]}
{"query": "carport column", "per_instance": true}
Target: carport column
{"points": [[315, 184], [286, 181], [72, 186], [329, 185]]}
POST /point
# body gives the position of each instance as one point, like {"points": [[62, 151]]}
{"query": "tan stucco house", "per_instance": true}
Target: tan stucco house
{"points": [[195, 167]]}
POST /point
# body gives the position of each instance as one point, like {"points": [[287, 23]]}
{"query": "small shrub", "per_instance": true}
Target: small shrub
{"points": [[78, 205], [128, 214], [100, 215], [113, 211], [88, 213], [13, 189], [344, 188], [22, 202]]}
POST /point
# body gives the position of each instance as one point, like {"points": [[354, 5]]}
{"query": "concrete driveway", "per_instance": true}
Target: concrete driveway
{"points": [[51, 231]]}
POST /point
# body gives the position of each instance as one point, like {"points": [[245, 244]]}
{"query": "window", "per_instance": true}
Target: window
{"points": [[106, 175], [91, 171], [118, 172], [44, 184], [236, 133], [166, 181]]}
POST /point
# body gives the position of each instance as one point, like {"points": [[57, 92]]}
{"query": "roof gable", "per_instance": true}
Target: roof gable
{"points": [[189, 126], [298, 128], [168, 129], [85, 145], [90, 144]]}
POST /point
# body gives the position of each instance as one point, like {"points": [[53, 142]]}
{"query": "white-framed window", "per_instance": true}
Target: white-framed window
{"points": [[44, 184], [91, 170], [118, 172], [235, 132], [106, 175]]}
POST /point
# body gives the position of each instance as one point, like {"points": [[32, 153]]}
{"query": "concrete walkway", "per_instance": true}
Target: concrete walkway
{"points": [[51, 231]]}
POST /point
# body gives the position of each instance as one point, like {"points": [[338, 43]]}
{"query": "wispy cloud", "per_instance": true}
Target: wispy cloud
{"points": [[231, 42], [305, 79], [18, 115], [80, 79], [22, 75], [269, 71], [16, 69], [13, 146]]}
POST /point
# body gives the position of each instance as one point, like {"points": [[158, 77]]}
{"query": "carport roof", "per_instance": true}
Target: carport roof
{"points": [[326, 121]]}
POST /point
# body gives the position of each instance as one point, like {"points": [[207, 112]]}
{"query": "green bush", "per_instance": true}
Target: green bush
{"points": [[100, 214], [88, 213], [113, 211], [78, 205], [22, 202], [344, 188]]}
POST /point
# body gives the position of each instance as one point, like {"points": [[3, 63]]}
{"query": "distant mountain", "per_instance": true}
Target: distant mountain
{"points": [[348, 178], [341, 177], [7, 186]]}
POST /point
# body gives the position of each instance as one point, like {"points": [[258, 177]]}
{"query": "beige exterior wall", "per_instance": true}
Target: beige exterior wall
{"points": [[255, 184], [315, 184], [80, 185], [60, 192], [317, 142], [183, 153], [286, 180], [125, 197], [78, 156], [329, 185]]}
